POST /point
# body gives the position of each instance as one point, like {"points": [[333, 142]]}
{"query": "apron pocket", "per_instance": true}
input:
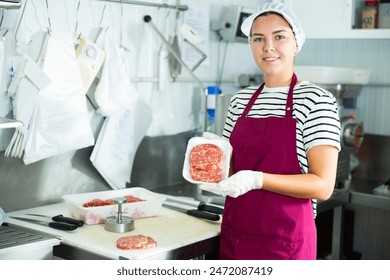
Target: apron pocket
{"points": [[243, 246]]}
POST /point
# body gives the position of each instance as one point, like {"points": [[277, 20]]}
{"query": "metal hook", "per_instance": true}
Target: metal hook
{"points": [[3, 31], [77, 18], [2, 17], [20, 20], [48, 18], [120, 25], [103, 11]]}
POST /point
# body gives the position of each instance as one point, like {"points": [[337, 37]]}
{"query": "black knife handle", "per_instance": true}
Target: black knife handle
{"points": [[61, 218], [203, 215], [210, 208], [62, 226]]}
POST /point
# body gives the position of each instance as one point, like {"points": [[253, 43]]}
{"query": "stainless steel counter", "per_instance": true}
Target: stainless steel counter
{"points": [[361, 193]]}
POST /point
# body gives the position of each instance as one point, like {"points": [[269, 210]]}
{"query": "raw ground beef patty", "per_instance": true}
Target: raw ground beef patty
{"points": [[105, 202], [205, 163], [135, 242]]}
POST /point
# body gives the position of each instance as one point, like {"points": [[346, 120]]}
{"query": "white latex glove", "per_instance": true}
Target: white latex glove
{"points": [[237, 184]]}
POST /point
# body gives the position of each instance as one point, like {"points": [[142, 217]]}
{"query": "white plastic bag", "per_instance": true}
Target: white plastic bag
{"points": [[118, 141], [60, 123], [27, 81], [5, 101], [114, 91]]}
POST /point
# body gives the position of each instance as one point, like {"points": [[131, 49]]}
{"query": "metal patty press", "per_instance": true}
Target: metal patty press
{"points": [[119, 223]]}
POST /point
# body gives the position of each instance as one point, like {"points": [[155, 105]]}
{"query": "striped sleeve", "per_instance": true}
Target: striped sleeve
{"points": [[320, 117]]}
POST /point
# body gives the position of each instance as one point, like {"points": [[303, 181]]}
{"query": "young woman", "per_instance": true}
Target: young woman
{"points": [[286, 138]]}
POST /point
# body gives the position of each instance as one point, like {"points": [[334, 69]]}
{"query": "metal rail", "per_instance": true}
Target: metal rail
{"points": [[142, 3]]}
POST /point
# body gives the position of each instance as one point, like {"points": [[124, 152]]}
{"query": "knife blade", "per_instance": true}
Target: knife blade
{"points": [[56, 225], [61, 218]]}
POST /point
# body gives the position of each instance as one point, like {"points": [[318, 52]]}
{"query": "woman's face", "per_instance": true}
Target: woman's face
{"points": [[273, 45]]}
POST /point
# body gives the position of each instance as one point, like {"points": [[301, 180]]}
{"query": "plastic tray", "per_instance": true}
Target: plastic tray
{"points": [[150, 206], [225, 165]]}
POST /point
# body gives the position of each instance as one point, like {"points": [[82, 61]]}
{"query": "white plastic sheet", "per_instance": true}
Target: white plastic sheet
{"points": [[118, 141], [60, 123], [5, 101], [114, 91], [27, 80]]}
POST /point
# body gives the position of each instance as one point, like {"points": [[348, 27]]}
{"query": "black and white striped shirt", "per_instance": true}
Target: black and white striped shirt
{"points": [[314, 108]]}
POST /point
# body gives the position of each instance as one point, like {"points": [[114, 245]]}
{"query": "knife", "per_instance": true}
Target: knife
{"points": [[200, 205], [194, 212], [61, 218], [56, 225]]}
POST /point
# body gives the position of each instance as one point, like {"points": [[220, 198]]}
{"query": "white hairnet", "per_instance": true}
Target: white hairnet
{"points": [[284, 11]]}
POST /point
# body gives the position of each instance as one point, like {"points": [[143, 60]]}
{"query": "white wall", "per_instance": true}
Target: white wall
{"points": [[173, 103]]}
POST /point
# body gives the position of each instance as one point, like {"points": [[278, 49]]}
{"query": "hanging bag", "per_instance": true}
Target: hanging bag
{"points": [[60, 123]]}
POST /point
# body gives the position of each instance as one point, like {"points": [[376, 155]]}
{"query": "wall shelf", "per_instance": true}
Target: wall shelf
{"points": [[334, 19]]}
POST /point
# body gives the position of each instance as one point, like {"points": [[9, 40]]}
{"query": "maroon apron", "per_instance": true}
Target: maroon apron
{"points": [[261, 224]]}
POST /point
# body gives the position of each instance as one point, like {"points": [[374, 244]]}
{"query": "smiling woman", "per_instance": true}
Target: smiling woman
{"points": [[285, 137], [274, 47]]}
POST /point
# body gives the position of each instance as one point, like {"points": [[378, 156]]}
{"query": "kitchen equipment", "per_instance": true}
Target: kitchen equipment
{"points": [[149, 206], [159, 160], [221, 109], [351, 134], [119, 223], [56, 225], [61, 218], [19, 243]]}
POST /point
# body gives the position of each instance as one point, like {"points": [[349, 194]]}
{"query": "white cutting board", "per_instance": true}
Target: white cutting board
{"points": [[171, 230]]}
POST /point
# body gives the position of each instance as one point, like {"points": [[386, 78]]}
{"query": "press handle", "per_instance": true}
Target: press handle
{"points": [[119, 201]]}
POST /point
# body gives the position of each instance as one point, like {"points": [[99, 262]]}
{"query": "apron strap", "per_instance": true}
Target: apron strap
{"points": [[252, 101], [289, 104]]}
